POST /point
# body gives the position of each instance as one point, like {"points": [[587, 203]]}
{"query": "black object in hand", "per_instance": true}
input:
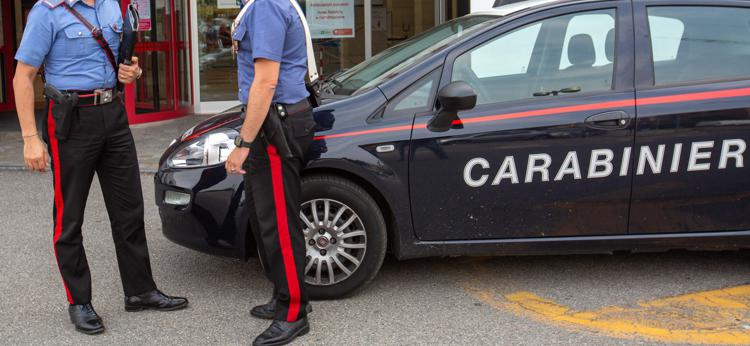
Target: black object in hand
{"points": [[129, 38]]}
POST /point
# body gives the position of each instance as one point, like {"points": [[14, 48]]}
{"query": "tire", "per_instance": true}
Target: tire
{"points": [[368, 248]]}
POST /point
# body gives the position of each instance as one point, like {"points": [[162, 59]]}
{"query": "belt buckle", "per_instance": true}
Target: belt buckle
{"points": [[102, 96]]}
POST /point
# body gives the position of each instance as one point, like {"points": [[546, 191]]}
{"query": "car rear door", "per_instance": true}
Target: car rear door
{"points": [[693, 94], [541, 153]]}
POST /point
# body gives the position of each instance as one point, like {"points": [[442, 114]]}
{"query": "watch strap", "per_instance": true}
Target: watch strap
{"points": [[240, 143]]}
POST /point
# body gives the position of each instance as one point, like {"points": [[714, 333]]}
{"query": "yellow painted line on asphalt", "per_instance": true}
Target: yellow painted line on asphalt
{"points": [[710, 317]]}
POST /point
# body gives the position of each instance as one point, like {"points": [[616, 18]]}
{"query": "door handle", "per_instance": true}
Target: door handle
{"points": [[609, 121]]}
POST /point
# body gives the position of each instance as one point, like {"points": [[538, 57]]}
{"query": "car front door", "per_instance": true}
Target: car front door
{"points": [[693, 99], [542, 153]]}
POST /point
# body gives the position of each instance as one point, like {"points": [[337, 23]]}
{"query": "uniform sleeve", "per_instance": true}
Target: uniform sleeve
{"points": [[37, 37], [268, 27]]}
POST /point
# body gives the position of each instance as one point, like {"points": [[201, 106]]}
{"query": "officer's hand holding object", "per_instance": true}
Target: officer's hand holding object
{"points": [[129, 73]]}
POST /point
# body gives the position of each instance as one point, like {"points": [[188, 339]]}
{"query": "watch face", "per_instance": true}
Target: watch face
{"points": [[237, 141]]}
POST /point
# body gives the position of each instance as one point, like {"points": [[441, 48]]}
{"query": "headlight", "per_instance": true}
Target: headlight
{"points": [[209, 149]]}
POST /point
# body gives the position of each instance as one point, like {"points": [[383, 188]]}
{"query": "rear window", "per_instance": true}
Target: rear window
{"points": [[699, 43]]}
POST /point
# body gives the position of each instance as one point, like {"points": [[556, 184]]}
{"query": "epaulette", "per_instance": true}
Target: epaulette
{"points": [[52, 3]]}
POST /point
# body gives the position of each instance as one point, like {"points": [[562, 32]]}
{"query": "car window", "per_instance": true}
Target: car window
{"points": [[516, 61], [418, 97], [692, 43], [583, 25], [557, 56], [666, 37], [392, 61]]}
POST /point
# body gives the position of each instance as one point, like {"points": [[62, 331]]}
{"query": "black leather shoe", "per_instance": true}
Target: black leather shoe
{"points": [[267, 311], [282, 333], [85, 319], [154, 300]]}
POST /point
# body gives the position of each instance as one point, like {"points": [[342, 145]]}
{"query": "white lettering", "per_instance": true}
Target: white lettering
{"points": [[543, 169], [700, 157], [470, 166], [727, 153], [507, 171], [570, 166], [601, 158], [647, 156], [676, 154], [696, 154], [625, 167]]}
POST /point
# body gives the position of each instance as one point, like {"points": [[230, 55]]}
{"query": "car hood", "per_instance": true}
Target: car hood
{"points": [[223, 119]]}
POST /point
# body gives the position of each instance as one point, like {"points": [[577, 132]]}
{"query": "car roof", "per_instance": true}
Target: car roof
{"points": [[508, 9]]}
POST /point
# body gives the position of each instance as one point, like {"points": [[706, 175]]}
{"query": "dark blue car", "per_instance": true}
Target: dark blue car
{"points": [[541, 127]]}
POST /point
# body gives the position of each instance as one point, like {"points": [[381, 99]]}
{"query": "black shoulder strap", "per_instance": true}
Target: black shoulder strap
{"points": [[96, 33]]}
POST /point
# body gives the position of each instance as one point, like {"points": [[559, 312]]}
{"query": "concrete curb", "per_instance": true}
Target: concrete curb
{"points": [[4, 167], [12, 168]]}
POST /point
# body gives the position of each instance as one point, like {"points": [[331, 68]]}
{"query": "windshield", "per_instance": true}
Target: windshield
{"points": [[398, 58]]}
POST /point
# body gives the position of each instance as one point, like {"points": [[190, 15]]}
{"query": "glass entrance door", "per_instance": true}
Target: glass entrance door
{"points": [[164, 89], [6, 56]]}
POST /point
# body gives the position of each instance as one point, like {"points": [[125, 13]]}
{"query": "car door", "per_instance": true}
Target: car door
{"points": [[693, 99], [540, 155]]}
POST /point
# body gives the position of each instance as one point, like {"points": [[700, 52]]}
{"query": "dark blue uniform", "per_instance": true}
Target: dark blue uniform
{"points": [[99, 141]]}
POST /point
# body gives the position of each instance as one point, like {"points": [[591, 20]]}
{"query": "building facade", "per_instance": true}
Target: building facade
{"points": [[185, 46]]}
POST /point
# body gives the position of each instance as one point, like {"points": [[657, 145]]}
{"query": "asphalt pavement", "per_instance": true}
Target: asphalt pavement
{"points": [[546, 300]]}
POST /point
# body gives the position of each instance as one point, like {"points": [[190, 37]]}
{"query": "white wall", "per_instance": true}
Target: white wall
{"points": [[481, 5]]}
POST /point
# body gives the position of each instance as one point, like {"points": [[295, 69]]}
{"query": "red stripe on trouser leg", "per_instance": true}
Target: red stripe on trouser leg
{"points": [[59, 205], [282, 224]]}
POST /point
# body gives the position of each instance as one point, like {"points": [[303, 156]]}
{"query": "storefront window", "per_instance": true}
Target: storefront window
{"points": [[182, 19], [338, 30], [218, 70], [162, 42], [337, 27], [394, 21]]}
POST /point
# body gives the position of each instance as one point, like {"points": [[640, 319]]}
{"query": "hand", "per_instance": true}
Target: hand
{"points": [[129, 73], [35, 154], [236, 159]]}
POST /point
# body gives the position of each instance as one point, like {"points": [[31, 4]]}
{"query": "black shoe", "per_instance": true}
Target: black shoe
{"points": [[85, 319], [267, 311], [282, 333], [154, 300]]}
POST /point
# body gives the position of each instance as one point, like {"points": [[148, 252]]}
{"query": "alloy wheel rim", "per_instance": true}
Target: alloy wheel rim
{"points": [[335, 239]]}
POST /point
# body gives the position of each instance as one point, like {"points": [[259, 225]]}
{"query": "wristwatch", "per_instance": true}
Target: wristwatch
{"points": [[239, 143]]}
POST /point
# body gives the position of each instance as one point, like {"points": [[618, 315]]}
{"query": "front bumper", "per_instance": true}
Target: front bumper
{"points": [[210, 217]]}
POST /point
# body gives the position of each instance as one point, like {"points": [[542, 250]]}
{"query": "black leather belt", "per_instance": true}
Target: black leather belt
{"points": [[287, 110], [95, 97]]}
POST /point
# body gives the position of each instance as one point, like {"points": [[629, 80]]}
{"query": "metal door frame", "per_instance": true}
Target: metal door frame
{"points": [[7, 50], [172, 48]]}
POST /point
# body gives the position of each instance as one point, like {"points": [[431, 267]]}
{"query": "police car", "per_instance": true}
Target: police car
{"points": [[541, 127]]}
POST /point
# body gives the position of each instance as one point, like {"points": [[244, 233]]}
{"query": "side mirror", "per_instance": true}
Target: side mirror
{"points": [[454, 97]]}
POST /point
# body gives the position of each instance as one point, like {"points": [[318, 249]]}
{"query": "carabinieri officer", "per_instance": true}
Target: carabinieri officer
{"points": [[87, 136], [272, 59]]}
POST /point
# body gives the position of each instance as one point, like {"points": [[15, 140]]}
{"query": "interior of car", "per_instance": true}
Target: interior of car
{"points": [[568, 54]]}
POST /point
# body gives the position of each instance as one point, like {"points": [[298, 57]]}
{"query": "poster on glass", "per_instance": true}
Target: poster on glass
{"points": [[330, 18]]}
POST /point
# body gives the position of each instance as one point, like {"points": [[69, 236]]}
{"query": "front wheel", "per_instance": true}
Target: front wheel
{"points": [[345, 234]]}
